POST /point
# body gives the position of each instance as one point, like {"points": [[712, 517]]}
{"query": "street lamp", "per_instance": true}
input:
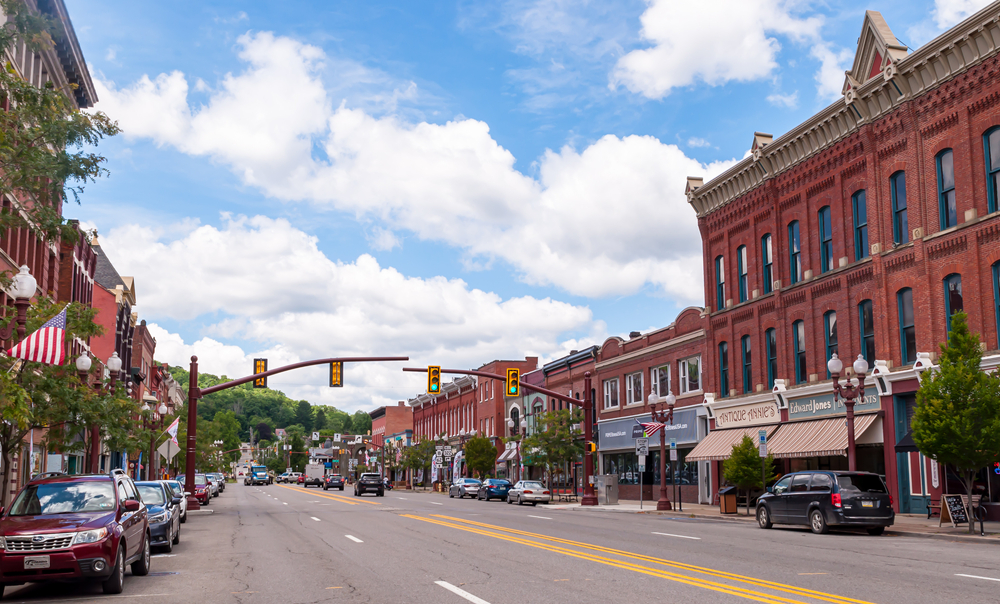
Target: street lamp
{"points": [[83, 364], [850, 393], [461, 447], [666, 417], [22, 288]]}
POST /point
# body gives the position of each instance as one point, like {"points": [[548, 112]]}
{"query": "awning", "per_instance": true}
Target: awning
{"points": [[718, 445], [508, 455], [817, 438]]}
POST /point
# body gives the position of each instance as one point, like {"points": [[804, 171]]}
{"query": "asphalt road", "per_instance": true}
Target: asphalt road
{"points": [[289, 544]]}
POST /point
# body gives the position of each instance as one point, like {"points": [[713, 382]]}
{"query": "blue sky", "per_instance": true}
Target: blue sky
{"points": [[456, 181]]}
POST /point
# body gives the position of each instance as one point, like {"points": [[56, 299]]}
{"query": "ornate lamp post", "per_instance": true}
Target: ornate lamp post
{"points": [[461, 447], [22, 288], [850, 393], [83, 364], [666, 417]]}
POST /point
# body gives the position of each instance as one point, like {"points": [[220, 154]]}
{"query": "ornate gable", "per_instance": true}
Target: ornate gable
{"points": [[878, 51]]}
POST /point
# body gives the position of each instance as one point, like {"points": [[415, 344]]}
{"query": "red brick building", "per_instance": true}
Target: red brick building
{"points": [[392, 422], [861, 231], [626, 372]]}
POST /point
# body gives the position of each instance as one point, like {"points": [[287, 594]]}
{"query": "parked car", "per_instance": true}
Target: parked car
{"points": [[214, 482], [821, 499], [493, 488], [283, 477], [464, 486], [164, 509], [65, 528], [293, 477], [177, 489], [333, 481], [369, 483], [528, 491], [221, 479], [202, 489]]}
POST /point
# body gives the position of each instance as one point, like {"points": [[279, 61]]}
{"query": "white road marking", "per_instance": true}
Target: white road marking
{"points": [[315, 518], [403, 498], [976, 577], [435, 503], [542, 517], [461, 592], [354, 539], [163, 555], [286, 503], [679, 536]]}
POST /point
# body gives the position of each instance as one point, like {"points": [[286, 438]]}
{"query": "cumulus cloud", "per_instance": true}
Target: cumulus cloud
{"points": [[695, 141], [263, 281], [950, 12], [603, 220], [790, 101], [712, 42], [833, 64]]}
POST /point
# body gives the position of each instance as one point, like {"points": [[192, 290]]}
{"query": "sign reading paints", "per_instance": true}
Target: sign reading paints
{"points": [[754, 414], [826, 404]]}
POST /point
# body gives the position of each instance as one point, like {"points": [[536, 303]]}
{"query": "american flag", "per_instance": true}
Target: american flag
{"points": [[651, 428], [47, 345]]}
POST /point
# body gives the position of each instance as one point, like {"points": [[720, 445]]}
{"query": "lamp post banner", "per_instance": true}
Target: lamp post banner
{"points": [[827, 404]]}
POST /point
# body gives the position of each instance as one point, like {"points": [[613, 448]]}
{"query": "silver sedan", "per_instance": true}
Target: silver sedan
{"points": [[464, 486], [529, 491]]}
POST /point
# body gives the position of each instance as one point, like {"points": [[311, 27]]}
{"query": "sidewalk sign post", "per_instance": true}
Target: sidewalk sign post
{"points": [[641, 450], [673, 474], [762, 451]]}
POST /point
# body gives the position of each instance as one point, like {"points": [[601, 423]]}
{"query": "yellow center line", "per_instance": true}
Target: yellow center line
{"points": [[345, 498], [331, 497], [679, 565], [719, 587]]}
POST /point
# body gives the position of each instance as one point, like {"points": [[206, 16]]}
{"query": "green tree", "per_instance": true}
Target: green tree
{"points": [[361, 423], [299, 453], [743, 468], [303, 415], [556, 441], [480, 455], [320, 422], [957, 419], [227, 429], [418, 456]]}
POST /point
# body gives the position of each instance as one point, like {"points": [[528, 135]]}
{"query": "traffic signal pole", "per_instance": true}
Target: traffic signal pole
{"points": [[589, 497]]}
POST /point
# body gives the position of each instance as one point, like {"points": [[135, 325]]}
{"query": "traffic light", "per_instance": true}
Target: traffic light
{"points": [[513, 382], [590, 447], [260, 366], [434, 379], [337, 374]]}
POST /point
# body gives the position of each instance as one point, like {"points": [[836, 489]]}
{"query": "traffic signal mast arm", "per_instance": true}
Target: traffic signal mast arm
{"points": [[203, 391], [503, 378]]}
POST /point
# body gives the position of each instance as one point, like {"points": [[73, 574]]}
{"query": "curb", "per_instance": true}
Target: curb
{"points": [[205, 511]]}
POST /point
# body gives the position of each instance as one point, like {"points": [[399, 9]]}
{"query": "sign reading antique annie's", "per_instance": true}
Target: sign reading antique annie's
{"points": [[753, 414]]}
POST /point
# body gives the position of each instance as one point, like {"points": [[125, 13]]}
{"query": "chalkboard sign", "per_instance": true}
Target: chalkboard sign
{"points": [[954, 507]]}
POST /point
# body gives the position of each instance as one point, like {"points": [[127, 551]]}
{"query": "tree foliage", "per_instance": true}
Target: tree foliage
{"points": [[556, 441], [418, 456], [957, 418], [743, 468], [480, 455]]}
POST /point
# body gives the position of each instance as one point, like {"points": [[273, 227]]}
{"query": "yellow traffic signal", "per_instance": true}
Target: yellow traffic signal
{"points": [[337, 374], [260, 366], [434, 379], [590, 447], [513, 382]]}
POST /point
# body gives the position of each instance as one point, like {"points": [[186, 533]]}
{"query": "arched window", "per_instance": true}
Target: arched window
{"points": [[767, 261], [991, 143], [720, 282], [830, 335], [799, 345], [866, 321], [723, 369], [947, 207], [860, 205], [747, 365], [741, 271], [907, 333], [771, 350], [794, 253], [825, 240], [900, 223], [952, 297]]}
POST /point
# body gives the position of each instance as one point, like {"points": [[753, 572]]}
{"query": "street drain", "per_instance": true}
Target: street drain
{"points": [[163, 573]]}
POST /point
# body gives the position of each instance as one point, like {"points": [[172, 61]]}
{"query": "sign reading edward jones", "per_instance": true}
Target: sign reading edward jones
{"points": [[754, 414]]}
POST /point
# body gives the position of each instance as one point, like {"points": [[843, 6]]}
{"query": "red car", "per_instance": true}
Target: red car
{"points": [[62, 527], [301, 479], [202, 487]]}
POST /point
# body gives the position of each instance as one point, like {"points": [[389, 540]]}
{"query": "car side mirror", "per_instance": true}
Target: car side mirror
{"points": [[131, 505], [187, 494], [176, 500]]}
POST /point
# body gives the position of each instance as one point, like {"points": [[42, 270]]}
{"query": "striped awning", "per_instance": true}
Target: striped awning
{"points": [[508, 455], [718, 445], [817, 438]]}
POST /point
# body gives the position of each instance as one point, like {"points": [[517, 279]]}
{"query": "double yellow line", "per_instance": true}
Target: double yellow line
{"points": [[517, 536], [340, 498]]}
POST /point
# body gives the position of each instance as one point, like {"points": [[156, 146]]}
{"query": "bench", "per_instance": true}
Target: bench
{"points": [[564, 494], [935, 504]]}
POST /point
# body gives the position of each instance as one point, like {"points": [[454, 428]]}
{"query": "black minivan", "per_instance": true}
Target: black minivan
{"points": [[821, 499]]}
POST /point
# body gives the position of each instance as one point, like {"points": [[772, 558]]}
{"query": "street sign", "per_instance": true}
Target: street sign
{"points": [[642, 447], [673, 443], [336, 438], [439, 447], [288, 470], [315, 435], [762, 436], [673, 454], [642, 462]]}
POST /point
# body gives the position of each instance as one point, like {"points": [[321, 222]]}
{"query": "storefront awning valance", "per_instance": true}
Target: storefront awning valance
{"points": [[817, 438], [508, 455], [718, 445]]}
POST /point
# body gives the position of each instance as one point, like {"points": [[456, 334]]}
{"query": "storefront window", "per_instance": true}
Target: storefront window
{"points": [[626, 467]]}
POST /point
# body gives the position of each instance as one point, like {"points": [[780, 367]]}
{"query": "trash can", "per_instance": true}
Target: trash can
{"points": [[727, 500]]}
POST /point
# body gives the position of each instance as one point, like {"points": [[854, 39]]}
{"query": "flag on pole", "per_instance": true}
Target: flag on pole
{"points": [[172, 430], [651, 428], [47, 345]]}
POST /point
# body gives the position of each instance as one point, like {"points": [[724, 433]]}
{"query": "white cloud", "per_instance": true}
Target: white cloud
{"points": [[694, 141], [604, 220], [383, 240], [833, 64], [279, 290], [712, 42], [791, 101], [950, 12]]}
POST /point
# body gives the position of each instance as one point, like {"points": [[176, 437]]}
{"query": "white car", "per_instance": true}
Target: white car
{"points": [[178, 490], [529, 491]]}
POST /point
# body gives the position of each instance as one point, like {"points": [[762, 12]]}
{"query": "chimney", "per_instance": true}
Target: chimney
{"points": [[634, 334]]}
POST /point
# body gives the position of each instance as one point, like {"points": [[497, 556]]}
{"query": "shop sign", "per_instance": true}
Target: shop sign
{"points": [[618, 433], [826, 404], [754, 414]]}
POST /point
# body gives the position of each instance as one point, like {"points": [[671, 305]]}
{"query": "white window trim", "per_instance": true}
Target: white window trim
{"points": [[607, 394], [629, 389], [684, 381], [654, 376]]}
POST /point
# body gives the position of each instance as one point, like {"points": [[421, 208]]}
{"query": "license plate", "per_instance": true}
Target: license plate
{"points": [[32, 562], [867, 504]]}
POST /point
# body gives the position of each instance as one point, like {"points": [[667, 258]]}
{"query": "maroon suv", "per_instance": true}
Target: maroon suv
{"points": [[62, 527]]}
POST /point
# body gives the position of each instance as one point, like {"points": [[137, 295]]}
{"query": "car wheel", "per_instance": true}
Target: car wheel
{"points": [[381, 493], [534, 503], [519, 501], [764, 517], [875, 531], [184, 517], [509, 501], [341, 488], [450, 494], [169, 547], [140, 568], [114, 583], [817, 522], [177, 537]]}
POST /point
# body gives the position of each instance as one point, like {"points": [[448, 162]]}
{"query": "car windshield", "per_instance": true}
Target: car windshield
{"points": [[861, 483], [531, 485], [174, 486], [151, 494], [64, 498], [200, 479]]}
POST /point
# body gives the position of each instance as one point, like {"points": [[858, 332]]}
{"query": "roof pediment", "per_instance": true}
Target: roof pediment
{"points": [[877, 50]]}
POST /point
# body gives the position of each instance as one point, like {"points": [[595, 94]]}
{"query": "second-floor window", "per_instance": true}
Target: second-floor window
{"points": [[859, 204], [799, 346], [900, 223], [723, 369], [825, 240], [866, 319], [907, 331], [661, 380], [690, 374], [633, 388], [720, 282], [771, 350], [952, 297], [947, 207], [747, 364], [741, 270], [991, 142], [611, 393], [794, 253], [996, 298], [767, 261], [830, 334]]}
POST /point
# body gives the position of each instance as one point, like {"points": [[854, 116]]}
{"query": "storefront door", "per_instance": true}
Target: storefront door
{"points": [[911, 468]]}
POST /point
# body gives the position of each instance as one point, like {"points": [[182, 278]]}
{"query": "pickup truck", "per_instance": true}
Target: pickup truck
{"points": [[314, 474]]}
